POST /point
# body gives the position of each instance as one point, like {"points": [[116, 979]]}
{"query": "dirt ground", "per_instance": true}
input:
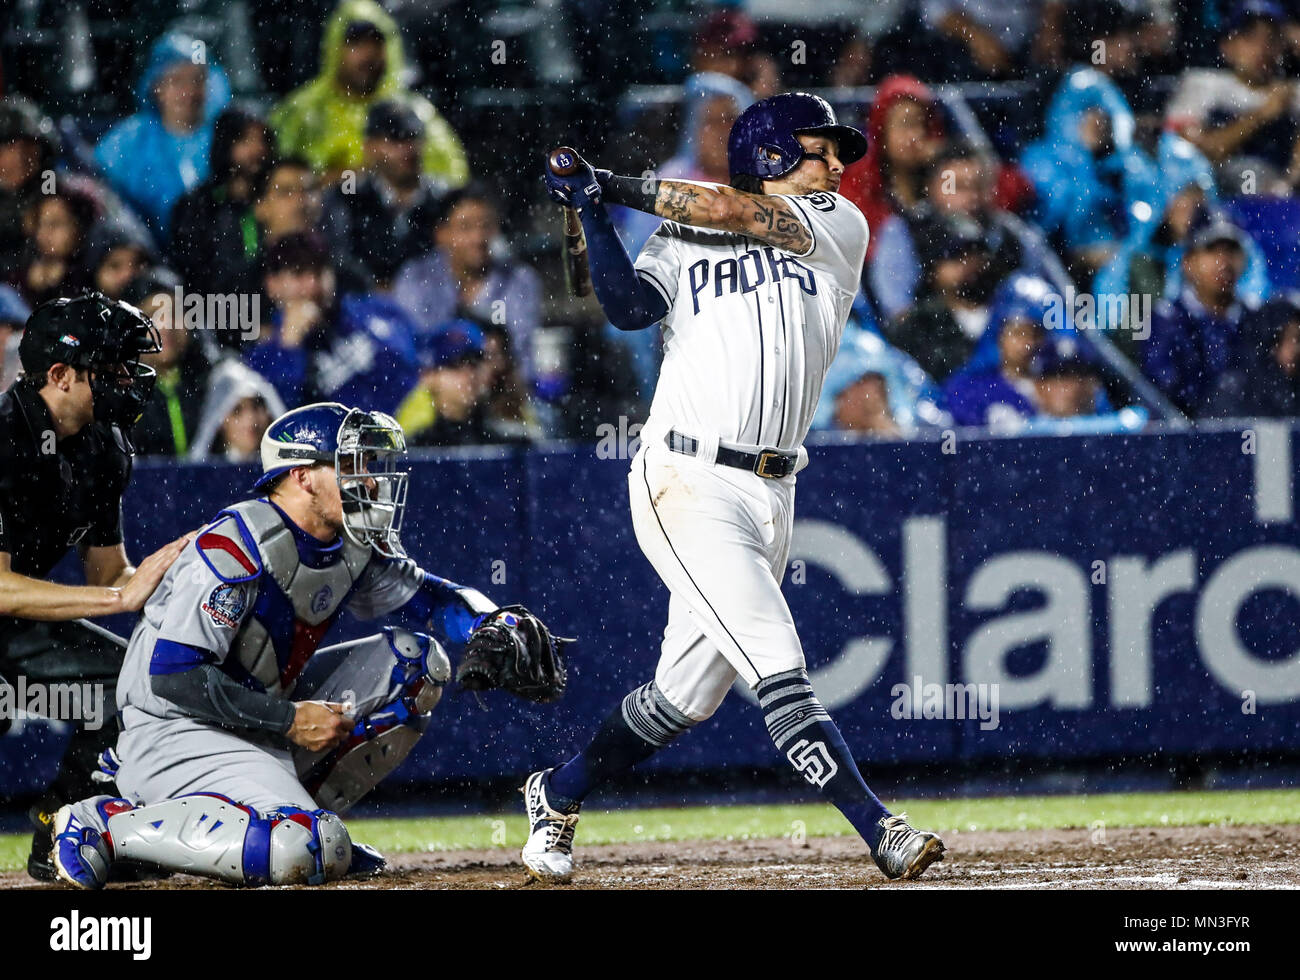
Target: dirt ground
{"points": [[1174, 857]]}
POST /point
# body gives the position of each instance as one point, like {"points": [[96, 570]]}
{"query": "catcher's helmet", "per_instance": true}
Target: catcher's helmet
{"points": [[366, 450], [764, 144], [104, 336]]}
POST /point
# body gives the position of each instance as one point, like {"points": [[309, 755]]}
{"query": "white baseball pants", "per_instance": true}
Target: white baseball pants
{"points": [[719, 538]]}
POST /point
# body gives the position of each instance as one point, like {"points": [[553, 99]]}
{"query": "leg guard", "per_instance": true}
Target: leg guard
{"points": [[211, 835], [393, 680]]}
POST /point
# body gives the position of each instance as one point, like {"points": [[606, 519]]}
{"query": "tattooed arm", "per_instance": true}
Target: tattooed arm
{"points": [[768, 218]]}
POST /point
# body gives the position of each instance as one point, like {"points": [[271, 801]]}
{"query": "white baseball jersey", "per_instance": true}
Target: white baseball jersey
{"points": [[751, 330]]}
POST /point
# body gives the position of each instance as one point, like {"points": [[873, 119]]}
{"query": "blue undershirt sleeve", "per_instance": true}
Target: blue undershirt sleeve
{"points": [[628, 301]]}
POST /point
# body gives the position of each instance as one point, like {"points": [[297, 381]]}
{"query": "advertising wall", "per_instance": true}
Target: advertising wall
{"points": [[1092, 596]]}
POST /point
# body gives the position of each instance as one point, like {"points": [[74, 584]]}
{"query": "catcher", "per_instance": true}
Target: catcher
{"points": [[242, 744]]}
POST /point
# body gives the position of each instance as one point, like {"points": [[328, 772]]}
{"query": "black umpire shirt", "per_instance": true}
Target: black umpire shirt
{"points": [[54, 496]]}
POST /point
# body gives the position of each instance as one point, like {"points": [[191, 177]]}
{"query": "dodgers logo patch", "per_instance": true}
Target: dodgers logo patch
{"points": [[321, 600], [225, 605]]}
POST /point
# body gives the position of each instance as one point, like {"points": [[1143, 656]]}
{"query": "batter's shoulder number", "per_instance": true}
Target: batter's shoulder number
{"points": [[821, 201]]}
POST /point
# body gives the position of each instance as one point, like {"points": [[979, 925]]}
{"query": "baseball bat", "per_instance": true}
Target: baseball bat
{"points": [[100, 631], [563, 161]]}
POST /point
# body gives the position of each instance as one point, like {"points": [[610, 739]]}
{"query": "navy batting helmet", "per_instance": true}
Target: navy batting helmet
{"points": [[764, 139]]}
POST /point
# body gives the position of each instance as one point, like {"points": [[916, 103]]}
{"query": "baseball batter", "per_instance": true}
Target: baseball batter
{"points": [[242, 743], [752, 284]]}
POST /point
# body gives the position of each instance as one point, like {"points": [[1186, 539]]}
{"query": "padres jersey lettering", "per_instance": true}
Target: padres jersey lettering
{"points": [[746, 273], [751, 330]]}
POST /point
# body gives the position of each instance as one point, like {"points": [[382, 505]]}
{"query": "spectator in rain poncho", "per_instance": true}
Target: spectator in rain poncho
{"points": [[875, 388], [1266, 379], [237, 409], [1025, 378], [1150, 260], [156, 155], [904, 128], [711, 103], [996, 388], [361, 63], [1087, 170]]}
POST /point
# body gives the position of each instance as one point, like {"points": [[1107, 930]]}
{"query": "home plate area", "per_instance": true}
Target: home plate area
{"points": [[1213, 857]]}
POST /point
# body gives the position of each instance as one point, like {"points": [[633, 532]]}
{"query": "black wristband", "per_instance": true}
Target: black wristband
{"points": [[631, 192]]}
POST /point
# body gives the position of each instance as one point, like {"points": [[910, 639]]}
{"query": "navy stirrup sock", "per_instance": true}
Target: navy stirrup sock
{"points": [[642, 725], [806, 736]]}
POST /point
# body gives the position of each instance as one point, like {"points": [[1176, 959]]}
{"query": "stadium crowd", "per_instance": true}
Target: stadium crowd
{"points": [[1082, 215]]}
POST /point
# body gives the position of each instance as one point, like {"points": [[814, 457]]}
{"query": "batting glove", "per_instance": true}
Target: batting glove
{"points": [[580, 188]]}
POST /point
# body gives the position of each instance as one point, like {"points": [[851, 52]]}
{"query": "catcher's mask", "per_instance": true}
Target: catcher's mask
{"points": [[367, 451], [370, 464]]}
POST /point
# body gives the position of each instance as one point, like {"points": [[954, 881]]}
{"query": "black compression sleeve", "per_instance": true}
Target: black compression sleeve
{"points": [[212, 696], [631, 192], [629, 301]]}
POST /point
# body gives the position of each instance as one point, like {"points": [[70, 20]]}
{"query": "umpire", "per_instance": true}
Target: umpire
{"points": [[64, 463]]}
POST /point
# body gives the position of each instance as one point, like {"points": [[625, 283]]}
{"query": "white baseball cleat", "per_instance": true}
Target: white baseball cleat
{"points": [[548, 854], [903, 851]]}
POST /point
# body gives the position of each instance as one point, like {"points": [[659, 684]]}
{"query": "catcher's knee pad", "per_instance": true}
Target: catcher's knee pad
{"points": [[301, 847], [394, 680], [211, 835]]}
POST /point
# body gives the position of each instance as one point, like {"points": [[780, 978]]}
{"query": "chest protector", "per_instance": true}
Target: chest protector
{"points": [[250, 546]]}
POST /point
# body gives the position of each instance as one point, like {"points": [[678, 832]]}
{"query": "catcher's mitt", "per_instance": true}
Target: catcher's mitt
{"points": [[513, 650]]}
